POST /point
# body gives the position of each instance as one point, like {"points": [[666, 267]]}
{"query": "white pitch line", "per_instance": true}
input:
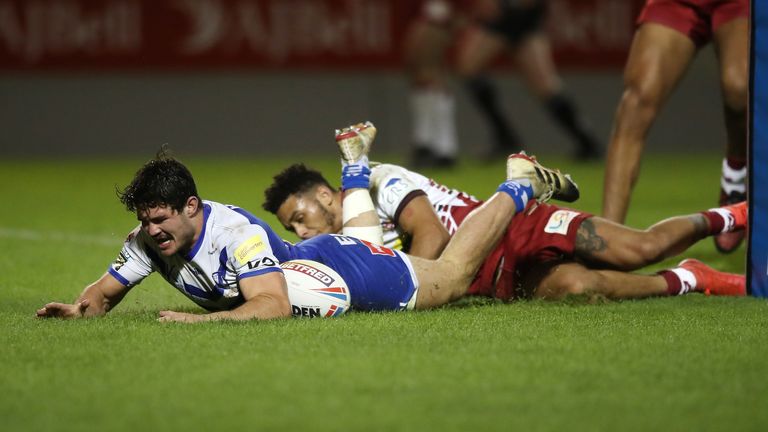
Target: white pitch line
{"points": [[69, 237]]}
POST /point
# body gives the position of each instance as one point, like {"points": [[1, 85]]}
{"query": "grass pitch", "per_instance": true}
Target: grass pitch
{"points": [[687, 363]]}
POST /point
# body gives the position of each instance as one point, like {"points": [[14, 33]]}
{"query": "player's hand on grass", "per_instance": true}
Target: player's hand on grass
{"points": [[63, 310], [171, 316]]}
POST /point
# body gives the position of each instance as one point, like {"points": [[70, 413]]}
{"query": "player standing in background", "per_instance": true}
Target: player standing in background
{"points": [[493, 26], [227, 261], [547, 251], [669, 34], [518, 27], [433, 122]]}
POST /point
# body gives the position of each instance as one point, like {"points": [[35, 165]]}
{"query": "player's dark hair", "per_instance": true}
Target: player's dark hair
{"points": [[163, 181], [296, 179]]}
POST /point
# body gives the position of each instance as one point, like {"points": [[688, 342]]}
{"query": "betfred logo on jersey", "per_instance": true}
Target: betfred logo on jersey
{"points": [[309, 271]]}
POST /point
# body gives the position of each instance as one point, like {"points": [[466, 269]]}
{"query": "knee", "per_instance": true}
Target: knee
{"points": [[641, 99], [734, 84], [639, 252], [570, 285], [646, 251]]}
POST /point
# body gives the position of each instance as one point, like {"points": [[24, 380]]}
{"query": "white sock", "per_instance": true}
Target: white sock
{"points": [[733, 180], [687, 280], [445, 137], [422, 102]]}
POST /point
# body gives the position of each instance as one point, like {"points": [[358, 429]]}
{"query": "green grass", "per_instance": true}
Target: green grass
{"points": [[688, 363]]}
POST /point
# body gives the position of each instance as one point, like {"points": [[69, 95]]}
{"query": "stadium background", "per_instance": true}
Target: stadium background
{"points": [[267, 77]]}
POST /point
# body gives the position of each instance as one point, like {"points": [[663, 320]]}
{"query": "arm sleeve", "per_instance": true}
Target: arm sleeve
{"points": [[252, 254], [391, 190], [132, 264]]}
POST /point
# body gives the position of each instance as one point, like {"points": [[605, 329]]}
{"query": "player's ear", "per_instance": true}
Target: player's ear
{"points": [[324, 195], [192, 206]]}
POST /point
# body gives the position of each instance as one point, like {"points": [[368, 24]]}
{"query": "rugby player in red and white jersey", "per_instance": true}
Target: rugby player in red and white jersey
{"points": [[669, 34], [547, 251]]}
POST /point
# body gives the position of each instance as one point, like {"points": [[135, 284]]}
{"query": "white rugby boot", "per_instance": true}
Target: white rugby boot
{"points": [[547, 183], [355, 141]]}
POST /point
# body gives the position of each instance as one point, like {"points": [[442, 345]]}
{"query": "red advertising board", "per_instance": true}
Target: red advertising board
{"points": [[40, 35]]}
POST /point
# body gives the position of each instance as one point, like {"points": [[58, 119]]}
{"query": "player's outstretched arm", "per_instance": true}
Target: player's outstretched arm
{"points": [[266, 297], [97, 299], [428, 235]]}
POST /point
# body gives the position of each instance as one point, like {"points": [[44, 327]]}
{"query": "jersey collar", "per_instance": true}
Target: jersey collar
{"points": [[191, 254]]}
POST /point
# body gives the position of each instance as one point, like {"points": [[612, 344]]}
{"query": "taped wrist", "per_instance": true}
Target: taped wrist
{"points": [[356, 203], [373, 234], [355, 176], [520, 190]]}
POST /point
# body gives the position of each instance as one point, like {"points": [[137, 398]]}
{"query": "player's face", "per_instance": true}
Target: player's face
{"points": [[172, 231], [309, 215]]}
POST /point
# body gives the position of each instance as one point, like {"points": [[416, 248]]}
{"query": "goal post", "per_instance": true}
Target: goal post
{"points": [[757, 252]]}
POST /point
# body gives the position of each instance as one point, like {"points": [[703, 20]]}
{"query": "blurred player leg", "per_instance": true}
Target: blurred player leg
{"points": [[533, 59], [658, 59], [732, 46], [434, 135], [478, 49]]}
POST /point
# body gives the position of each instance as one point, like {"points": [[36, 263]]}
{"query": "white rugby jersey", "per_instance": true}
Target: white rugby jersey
{"points": [[392, 187], [233, 245]]}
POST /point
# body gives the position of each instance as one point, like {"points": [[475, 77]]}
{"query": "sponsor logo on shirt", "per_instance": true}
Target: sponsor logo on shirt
{"points": [[394, 190], [249, 249], [120, 261], [560, 221]]}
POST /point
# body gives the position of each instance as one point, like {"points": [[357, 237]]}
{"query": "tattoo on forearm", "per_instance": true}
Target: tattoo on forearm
{"points": [[587, 240]]}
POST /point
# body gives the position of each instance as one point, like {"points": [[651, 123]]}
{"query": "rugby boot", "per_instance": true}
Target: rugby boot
{"points": [[547, 183], [355, 141], [710, 281], [730, 241], [739, 212]]}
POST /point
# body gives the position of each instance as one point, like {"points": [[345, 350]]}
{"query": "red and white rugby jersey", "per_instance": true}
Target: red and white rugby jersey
{"points": [[392, 187]]}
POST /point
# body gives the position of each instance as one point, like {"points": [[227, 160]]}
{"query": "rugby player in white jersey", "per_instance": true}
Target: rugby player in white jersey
{"points": [[227, 261], [547, 251]]}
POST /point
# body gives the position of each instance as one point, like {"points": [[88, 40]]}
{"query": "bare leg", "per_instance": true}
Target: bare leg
{"points": [[576, 279], [732, 45], [606, 244], [533, 58], [477, 51], [448, 278], [432, 106], [658, 58]]}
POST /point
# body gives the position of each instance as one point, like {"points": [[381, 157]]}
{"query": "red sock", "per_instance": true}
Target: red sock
{"points": [[716, 221], [735, 163], [679, 281], [673, 282]]}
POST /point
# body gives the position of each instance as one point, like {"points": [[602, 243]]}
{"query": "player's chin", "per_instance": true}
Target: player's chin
{"points": [[167, 247]]}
